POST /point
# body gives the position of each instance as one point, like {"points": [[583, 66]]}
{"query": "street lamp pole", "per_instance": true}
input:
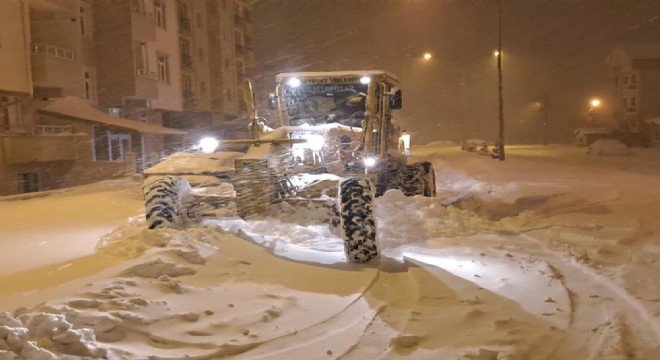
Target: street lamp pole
{"points": [[499, 74], [546, 132]]}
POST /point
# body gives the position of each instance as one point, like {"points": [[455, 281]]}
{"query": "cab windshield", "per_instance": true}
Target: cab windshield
{"points": [[314, 104]]}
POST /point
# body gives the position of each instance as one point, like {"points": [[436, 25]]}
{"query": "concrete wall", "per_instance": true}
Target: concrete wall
{"points": [[114, 53], [15, 76], [228, 56], [167, 43], [201, 55], [59, 174], [53, 173], [649, 88]]}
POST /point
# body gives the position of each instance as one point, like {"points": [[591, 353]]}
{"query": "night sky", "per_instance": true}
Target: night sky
{"points": [[552, 49]]}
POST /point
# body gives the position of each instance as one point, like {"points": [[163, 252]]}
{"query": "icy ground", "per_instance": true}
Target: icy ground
{"points": [[552, 254]]}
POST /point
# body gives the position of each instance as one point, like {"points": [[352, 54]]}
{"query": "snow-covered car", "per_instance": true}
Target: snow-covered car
{"points": [[608, 147], [472, 145]]}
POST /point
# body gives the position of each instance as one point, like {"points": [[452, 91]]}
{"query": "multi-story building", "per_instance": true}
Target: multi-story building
{"points": [[636, 72], [137, 53], [86, 86], [214, 43], [51, 133], [140, 64]]}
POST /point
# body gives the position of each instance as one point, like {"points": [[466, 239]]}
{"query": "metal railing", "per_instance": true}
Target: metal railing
{"points": [[243, 50], [52, 129], [144, 73], [186, 60], [54, 51], [189, 95]]}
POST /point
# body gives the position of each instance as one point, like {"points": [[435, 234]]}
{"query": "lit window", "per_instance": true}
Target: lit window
{"points": [[82, 22], [159, 13], [88, 94], [163, 69]]}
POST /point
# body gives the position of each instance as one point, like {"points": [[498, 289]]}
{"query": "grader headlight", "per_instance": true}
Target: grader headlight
{"points": [[315, 142], [294, 82], [369, 162], [208, 144]]}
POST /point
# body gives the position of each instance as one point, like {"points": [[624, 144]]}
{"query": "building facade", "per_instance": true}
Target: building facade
{"points": [[55, 131], [636, 78], [215, 49], [91, 89]]}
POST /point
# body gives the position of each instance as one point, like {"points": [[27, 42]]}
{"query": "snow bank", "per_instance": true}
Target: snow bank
{"points": [[45, 336], [608, 147]]}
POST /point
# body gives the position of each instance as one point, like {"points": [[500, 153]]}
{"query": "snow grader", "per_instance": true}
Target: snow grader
{"points": [[332, 143]]}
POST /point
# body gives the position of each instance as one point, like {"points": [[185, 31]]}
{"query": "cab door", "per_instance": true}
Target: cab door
{"points": [[384, 120]]}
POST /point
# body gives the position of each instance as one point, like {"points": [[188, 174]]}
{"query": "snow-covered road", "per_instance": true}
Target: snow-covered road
{"points": [[549, 255]]}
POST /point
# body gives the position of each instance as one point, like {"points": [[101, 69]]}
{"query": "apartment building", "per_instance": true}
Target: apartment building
{"points": [[214, 43], [52, 132], [635, 69]]}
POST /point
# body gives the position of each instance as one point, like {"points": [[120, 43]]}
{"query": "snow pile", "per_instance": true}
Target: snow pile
{"points": [[45, 336], [195, 163], [608, 147]]}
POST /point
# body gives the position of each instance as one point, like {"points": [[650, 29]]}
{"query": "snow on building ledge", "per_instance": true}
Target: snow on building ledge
{"points": [[74, 108]]}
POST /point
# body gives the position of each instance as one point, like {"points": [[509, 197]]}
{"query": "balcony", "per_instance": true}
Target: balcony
{"points": [[242, 50], [186, 61], [146, 74], [43, 144], [185, 25], [241, 21], [54, 51], [189, 99]]}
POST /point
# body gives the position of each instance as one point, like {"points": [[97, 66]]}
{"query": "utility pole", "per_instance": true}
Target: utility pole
{"points": [[544, 103], [499, 74]]}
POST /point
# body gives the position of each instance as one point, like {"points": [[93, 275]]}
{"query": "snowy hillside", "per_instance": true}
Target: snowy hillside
{"points": [[552, 254]]}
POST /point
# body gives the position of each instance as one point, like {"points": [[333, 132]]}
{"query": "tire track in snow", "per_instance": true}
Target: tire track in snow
{"points": [[615, 303]]}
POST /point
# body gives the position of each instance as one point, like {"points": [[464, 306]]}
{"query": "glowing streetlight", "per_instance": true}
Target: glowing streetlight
{"points": [[427, 56], [496, 53], [500, 87], [593, 114]]}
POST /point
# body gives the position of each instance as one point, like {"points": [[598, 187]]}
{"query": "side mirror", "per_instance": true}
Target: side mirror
{"points": [[272, 101], [396, 100]]}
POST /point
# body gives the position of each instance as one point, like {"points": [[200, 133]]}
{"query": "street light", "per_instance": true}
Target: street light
{"points": [[427, 56], [499, 76], [543, 108], [592, 114], [496, 53]]}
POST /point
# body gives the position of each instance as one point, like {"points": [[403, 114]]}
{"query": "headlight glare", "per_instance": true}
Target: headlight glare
{"points": [[294, 82], [209, 144], [369, 161]]}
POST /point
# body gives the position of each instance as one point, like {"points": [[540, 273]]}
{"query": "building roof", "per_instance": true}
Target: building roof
{"points": [[75, 108], [644, 51], [623, 57], [653, 120]]}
